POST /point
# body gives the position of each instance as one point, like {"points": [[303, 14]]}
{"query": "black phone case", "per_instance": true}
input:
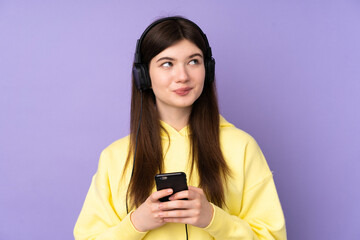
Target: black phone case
{"points": [[176, 181]]}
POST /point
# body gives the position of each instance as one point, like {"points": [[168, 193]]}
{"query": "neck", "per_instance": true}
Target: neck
{"points": [[177, 118]]}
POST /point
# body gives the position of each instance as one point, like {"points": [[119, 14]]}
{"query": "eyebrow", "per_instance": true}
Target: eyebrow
{"points": [[165, 58], [172, 59]]}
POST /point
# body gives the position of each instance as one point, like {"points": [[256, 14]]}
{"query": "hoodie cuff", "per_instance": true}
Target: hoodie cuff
{"points": [[223, 224], [127, 230]]}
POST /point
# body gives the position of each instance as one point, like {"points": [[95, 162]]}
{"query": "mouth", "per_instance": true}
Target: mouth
{"points": [[182, 91]]}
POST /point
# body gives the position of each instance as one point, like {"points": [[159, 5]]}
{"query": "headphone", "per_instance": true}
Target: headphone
{"points": [[140, 70]]}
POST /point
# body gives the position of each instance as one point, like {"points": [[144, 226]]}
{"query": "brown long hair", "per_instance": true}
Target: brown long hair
{"points": [[203, 122]]}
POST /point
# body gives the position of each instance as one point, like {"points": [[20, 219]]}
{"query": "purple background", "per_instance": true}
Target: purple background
{"points": [[287, 72]]}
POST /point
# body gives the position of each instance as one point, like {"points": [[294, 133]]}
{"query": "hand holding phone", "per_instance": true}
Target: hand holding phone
{"points": [[197, 210], [176, 181]]}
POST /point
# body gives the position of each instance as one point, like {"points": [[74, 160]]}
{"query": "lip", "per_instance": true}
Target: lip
{"points": [[182, 91]]}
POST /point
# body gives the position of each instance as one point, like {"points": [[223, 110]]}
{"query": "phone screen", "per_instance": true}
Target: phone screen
{"points": [[176, 181]]}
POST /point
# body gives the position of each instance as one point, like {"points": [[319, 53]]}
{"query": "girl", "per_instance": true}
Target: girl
{"points": [[175, 126]]}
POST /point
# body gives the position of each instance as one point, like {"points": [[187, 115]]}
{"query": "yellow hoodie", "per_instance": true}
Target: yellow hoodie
{"points": [[253, 208]]}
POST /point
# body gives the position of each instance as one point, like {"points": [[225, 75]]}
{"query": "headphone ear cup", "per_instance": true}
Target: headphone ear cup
{"points": [[141, 76], [210, 70]]}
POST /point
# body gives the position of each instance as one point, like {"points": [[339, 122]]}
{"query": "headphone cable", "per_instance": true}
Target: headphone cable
{"points": [[136, 142], [132, 170]]}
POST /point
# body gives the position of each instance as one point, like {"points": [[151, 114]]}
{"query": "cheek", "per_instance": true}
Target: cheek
{"points": [[159, 83], [201, 74], [201, 78], [155, 78]]}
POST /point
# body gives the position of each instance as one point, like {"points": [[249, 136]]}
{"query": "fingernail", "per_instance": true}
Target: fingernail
{"points": [[170, 191]]}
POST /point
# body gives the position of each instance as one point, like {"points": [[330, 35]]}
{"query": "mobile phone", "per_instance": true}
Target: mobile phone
{"points": [[175, 180]]}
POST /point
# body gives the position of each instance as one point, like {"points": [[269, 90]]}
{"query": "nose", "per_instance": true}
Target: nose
{"points": [[182, 74]]}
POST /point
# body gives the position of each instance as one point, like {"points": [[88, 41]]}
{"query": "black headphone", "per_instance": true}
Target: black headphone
{"points": [[140, 70]]}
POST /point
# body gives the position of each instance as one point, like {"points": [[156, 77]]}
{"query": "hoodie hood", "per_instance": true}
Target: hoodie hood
{"points": [[184, 132], [224, 123]]}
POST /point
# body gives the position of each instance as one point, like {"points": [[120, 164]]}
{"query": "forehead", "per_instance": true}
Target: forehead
{"points": [[182, 49]]}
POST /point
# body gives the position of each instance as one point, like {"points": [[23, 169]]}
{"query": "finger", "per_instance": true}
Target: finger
{"points": [[155, 196], [189, 194], [178, 220], [176, 204], [178, 213], [180, 195], [198, 190]]}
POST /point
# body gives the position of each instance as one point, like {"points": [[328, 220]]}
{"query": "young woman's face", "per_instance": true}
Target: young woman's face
{"points": [[177, 76]]}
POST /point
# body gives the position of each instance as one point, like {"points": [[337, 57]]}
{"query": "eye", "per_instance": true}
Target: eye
{"points": [[194, 62], [167, 64]]}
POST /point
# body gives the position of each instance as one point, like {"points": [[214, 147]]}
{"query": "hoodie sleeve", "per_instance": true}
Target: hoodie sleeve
{"points": [[98, 218], [261, 216]]}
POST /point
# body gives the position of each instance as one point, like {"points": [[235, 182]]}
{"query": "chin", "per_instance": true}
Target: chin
{"points": [[185, 104]]}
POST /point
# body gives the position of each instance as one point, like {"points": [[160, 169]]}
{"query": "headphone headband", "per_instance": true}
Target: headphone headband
{"points": [[137, 57], [140, 70]]}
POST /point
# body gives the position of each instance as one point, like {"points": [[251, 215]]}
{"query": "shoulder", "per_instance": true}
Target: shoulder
{"points": [[118, 146], [230, 135], [241, 149], [237, 144], [116, 153]]}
